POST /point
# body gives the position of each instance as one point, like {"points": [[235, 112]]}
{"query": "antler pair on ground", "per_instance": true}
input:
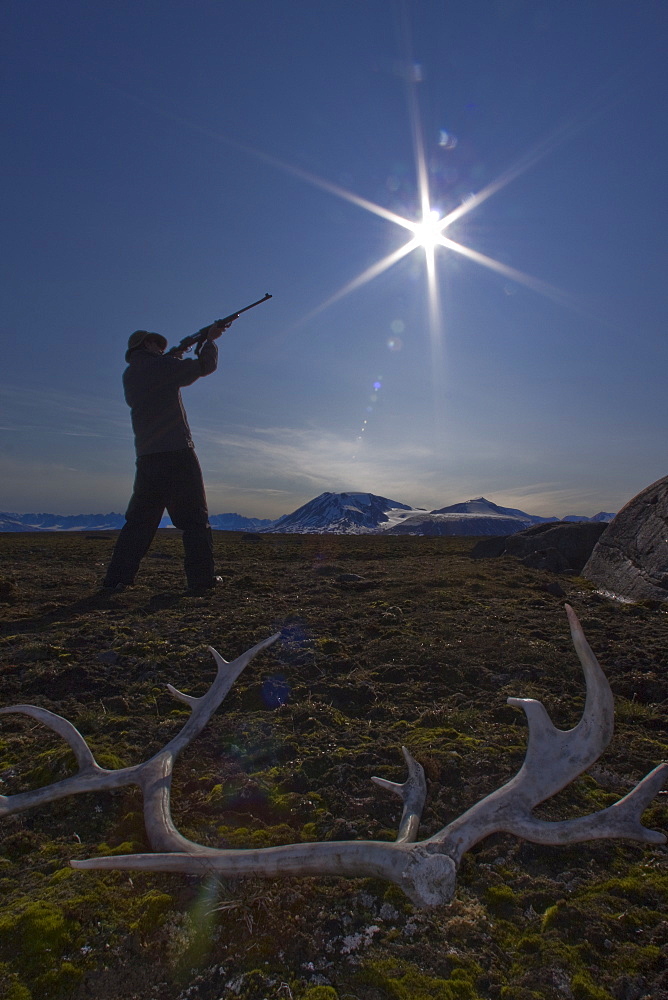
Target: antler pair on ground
{"points": [[425, 870]]}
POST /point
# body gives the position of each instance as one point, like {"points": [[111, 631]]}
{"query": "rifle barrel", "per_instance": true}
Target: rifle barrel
{"points": [[196, 338], [253, 304]]}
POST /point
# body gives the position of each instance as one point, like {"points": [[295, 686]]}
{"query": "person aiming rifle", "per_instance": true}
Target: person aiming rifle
{"points": [[168, 474]]}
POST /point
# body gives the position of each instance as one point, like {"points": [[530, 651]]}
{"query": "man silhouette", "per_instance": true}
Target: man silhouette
{"points": [[168, 473]]}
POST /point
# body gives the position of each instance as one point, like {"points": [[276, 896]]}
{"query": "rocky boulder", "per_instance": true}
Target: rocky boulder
{"points": [[630, 559], [559, 547]]}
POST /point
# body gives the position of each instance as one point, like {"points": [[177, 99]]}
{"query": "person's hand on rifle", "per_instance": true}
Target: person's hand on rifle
{"points": [[217, 328]]}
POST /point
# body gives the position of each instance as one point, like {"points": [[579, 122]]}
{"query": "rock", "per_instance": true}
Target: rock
{"points": [[9, 592], [631, 557], [109, 656], [629, 988], [555, 589], [561, 547], [489, 548], [557, 546], [116, 703], [550, 559], [324, 569]]}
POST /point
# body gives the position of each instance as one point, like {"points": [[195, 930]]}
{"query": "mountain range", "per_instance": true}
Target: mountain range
{"points": [[112, 522], [331, 513]]}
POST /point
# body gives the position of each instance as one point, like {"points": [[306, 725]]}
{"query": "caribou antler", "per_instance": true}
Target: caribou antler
{"points": [[154, 776], [425, 870]]}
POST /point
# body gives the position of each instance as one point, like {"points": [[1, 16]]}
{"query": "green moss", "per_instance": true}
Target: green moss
{"points": [[650, 954], [58, 982], [283, 803], [216, 796], [111, 761], [19, 844], [42, 931], [52, 765], [500, 899], [131, 827], [570, 918], [320, 993], [547, 950], [270, 836], [638, 886], [584, 988], [11, 987], [330, 647], [62, 874], [154, 907], [519, 993], [127, 847], [403, 981], [530, 943]]}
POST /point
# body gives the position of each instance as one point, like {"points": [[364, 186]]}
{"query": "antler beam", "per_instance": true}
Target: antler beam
{"points": [[426, 870]]}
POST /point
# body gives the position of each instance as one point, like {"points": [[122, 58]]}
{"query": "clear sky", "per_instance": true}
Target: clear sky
{"points": [[169, 161]]}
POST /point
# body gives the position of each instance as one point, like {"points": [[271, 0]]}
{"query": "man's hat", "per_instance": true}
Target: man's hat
{"points": [[139, 336]]}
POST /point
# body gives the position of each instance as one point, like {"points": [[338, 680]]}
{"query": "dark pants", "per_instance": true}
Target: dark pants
{"points": [[172, 480]]}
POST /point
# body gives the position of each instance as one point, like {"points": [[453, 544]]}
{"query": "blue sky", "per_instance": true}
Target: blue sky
{"points": [[169, 162]]}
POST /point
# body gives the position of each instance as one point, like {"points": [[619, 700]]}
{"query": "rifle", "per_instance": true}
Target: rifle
{"points": [[201, 335]]}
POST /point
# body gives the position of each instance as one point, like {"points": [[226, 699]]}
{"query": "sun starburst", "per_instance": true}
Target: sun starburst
{"points": [[428, 231]]}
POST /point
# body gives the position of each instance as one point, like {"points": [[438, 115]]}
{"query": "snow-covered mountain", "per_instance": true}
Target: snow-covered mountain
{"points": [[486, 508], [112, 522], [341, 514], [477, 517], [458, 524], [601, 516], [60, 522], [365, 513], [237, 522], [471, 517], [331, 513]]}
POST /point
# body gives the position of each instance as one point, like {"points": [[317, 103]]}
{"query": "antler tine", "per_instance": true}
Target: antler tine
{"points": [[204, 706], [554, 758], [152, 776], [227, 672], [413, 793], [157, 776], [599, 710], [622, 819], [220, 663], [90, 776], [64, 728]]}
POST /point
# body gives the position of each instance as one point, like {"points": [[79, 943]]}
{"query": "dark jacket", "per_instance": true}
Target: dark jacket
{"points": [[152, 384]]}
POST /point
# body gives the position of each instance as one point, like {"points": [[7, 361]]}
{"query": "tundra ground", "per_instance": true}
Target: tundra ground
{"points": [[385, 641]]}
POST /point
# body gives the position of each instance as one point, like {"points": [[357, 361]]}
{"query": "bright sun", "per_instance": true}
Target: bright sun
{"points": [[429, 232]]}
